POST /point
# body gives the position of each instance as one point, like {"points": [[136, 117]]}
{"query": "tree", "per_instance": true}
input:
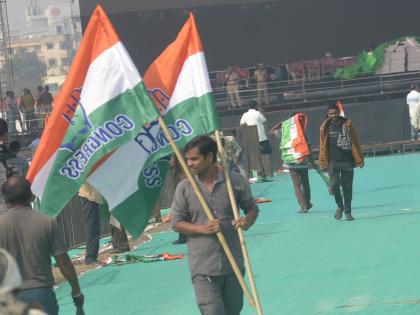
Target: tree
{"points": [[28, 69]]}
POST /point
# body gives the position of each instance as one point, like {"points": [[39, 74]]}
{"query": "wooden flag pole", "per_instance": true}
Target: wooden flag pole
{"points": [[236, 216], [207, 210]]}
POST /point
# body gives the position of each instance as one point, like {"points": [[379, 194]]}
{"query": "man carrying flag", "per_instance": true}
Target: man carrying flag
{"points": [[295, 154], [103, 104], [217, 289]]}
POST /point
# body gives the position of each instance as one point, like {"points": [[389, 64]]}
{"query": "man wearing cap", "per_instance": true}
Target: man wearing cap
{"points": [[339, 153], [260, 76]]}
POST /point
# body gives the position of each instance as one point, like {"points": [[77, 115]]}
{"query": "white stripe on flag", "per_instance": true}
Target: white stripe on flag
{"points": [[40, 180], [193, 80], [109, 75]]}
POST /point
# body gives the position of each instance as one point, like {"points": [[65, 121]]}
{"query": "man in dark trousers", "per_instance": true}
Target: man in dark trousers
{"points": [[32, 238], [339, 153], [217, 289], [89, 202]]}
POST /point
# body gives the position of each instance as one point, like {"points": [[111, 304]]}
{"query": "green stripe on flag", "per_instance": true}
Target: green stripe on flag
{"points": [[89, 139], [135, 211]]}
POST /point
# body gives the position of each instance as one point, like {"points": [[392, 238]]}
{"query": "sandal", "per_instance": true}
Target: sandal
{"points": [[338, 213], [349, 217]]}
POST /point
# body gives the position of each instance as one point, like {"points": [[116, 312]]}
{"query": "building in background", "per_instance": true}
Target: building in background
{"points": [[53, 33]]}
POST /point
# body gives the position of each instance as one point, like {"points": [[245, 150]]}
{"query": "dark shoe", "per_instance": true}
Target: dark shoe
{"points": [[349, 217], [338, 213]]}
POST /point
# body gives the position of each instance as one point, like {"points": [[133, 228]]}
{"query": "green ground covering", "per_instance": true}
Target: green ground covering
{"points": [[303, 263]]}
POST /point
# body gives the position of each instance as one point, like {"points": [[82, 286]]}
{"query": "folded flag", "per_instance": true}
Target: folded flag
{"points": [[293, 145]]}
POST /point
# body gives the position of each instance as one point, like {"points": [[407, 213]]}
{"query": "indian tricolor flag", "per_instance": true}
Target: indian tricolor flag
{"points": [[340, 108], [132, 178], [102, 105], [293, 146]]}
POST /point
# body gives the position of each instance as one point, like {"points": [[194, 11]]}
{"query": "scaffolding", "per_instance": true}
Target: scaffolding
{"points": [[6, 68]]}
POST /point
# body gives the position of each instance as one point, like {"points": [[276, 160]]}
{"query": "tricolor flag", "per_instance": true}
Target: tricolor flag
{"points": [[340, 108], [102, 105], [293, 145], [131, 179]]}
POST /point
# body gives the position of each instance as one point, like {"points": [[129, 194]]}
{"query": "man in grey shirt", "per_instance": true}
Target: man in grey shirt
{"points": [[32, 238], [217, 289]]}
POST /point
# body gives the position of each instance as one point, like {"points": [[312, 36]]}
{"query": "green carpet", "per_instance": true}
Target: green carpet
{"points": [[304, 263]]}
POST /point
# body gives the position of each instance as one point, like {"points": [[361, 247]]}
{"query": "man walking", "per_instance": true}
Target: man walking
{"points": [[217, 289], [339, 153], [298, 167], [31, 238], [89, 201]]}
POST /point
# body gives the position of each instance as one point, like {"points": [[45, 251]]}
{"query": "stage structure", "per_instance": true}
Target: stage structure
{"points": [[243, 33]]}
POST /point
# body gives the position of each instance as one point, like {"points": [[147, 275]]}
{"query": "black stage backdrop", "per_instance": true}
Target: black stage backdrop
{"points": [[240, 32]]}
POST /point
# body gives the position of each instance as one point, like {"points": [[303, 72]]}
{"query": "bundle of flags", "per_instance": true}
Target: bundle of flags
{"points": [[104, 126], [293, 146]]}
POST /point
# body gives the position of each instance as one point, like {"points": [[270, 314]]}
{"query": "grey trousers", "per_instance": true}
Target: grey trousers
{"points": [[218, 295]]}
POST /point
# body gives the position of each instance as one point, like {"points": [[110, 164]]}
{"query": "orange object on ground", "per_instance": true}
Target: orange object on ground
{"points": [[262, 200]]}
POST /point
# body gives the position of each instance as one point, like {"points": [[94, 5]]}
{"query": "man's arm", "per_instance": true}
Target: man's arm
{"points": [[243, 121], [188, 228], [275, 127], [246, 202], [246, 222], [68, 271]]}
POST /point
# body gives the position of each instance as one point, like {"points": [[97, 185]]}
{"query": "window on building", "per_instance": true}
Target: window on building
{"points": [[59, 29], [50, 45], [65, 62], [52, 62]]}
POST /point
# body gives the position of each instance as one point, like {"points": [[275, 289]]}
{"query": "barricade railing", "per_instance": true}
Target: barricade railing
{"points": [[286, 91]]}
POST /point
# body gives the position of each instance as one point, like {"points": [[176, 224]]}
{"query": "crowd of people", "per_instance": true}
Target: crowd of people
{"points": [[28, 111]]}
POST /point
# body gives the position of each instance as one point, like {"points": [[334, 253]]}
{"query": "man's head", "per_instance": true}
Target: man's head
{"points": [[17, 191], [14, 146], [252, 104], [260, 65], [200, 154], [414, 87], [10, 278], [46, 88], [39, 88], [333, 111]]}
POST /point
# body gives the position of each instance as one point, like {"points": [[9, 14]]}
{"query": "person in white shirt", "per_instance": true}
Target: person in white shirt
{"points": [[413, 100], [251, 118]]}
